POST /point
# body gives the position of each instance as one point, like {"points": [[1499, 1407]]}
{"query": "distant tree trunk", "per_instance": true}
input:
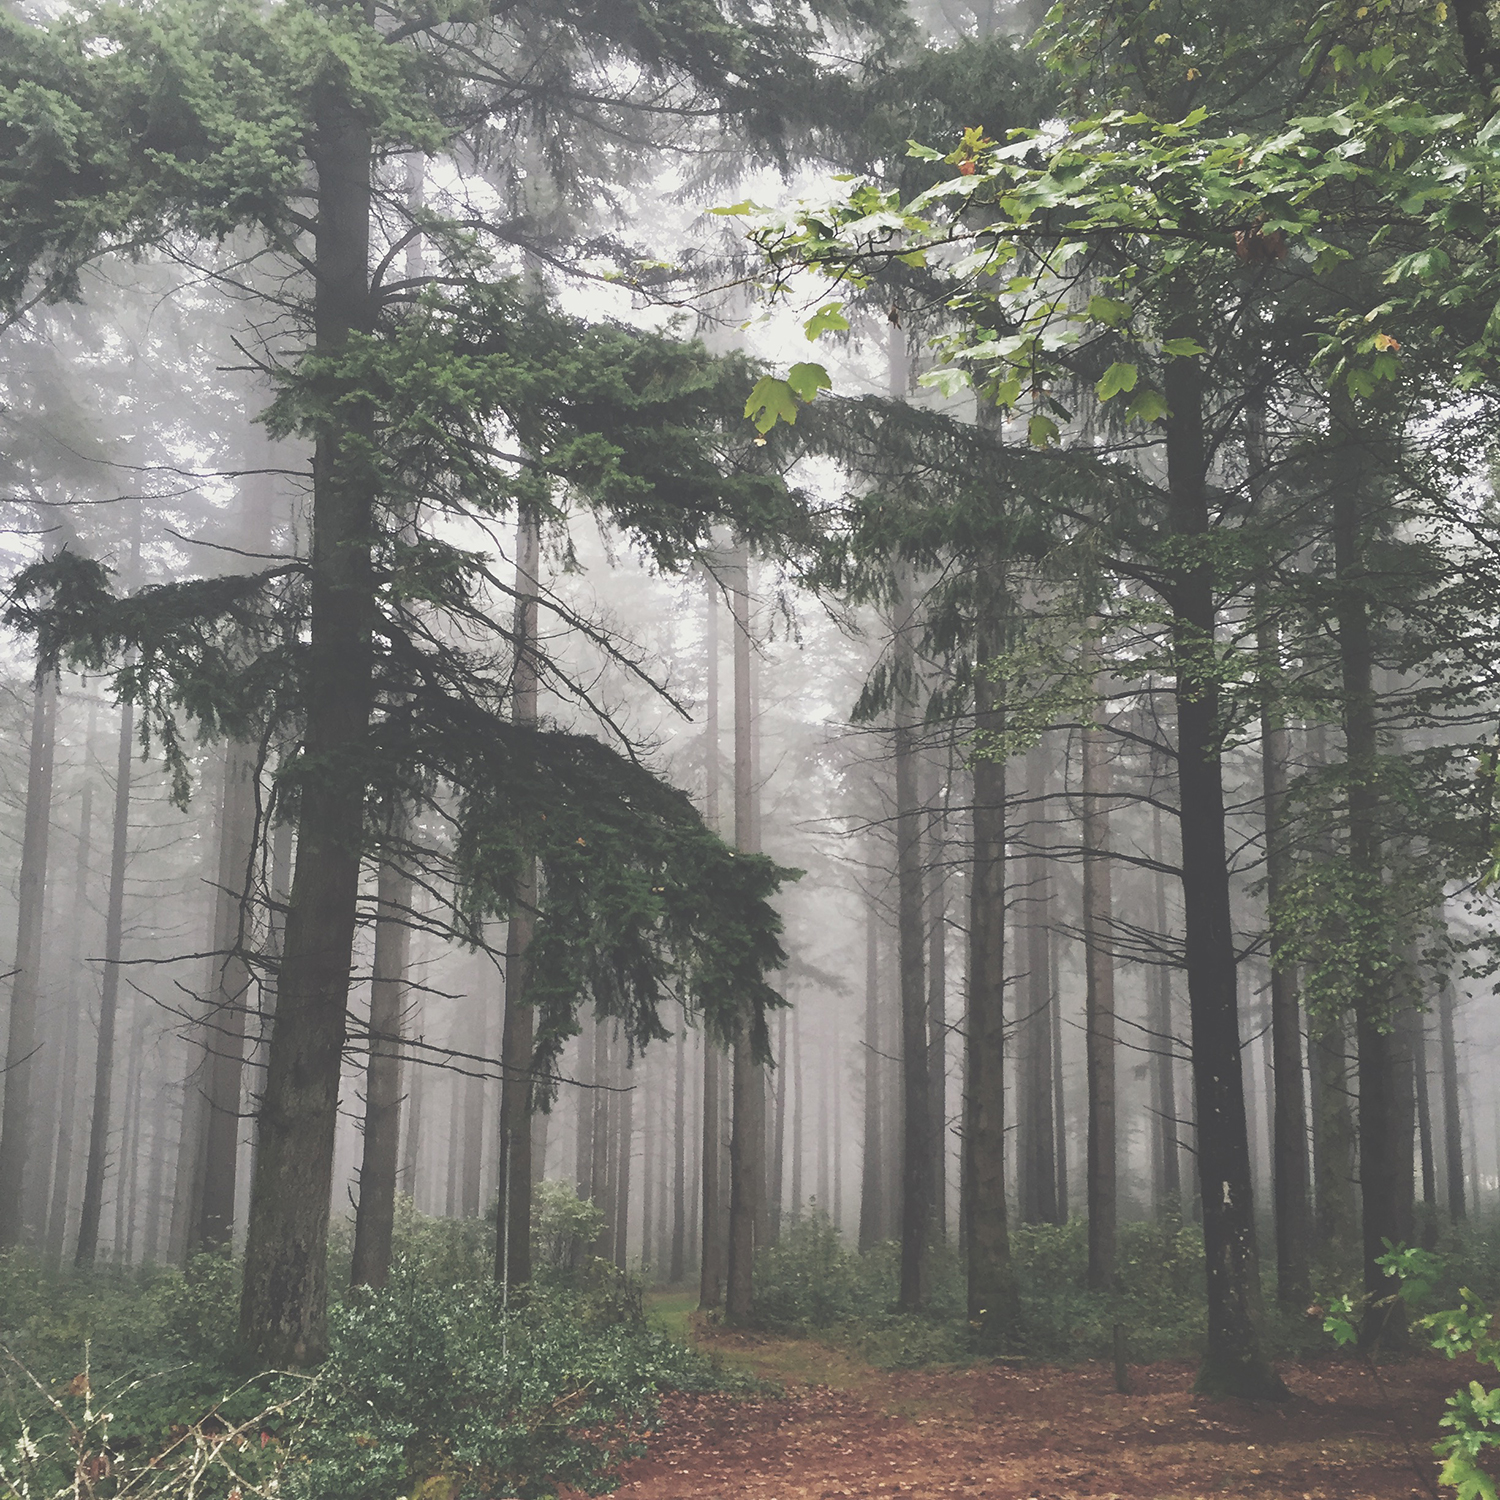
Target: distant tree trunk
{"points": [[872, 1175], [20, 1050], [1099, 1005], [799, 1121], [694, 1182], [1059, 1098], [778, 1131], [837, 1104], [1289, 1176], [1453, 1133], [478, 1038], [747, 1168], [650, 1097], [1416, 1040], [992, 1294], [518, 1042], [453, 1198], [1163, 1038], [911, 934], [129, 1142], [677, 1271], [411, 1135], [583, 1152], [625, 1146], [937, 1023], [827, 1071], [715, 1251], [1234, 1360], [223, 1026], [109, 1002], [375, 1216], [1036, 1165], [62, 1165], [1384, 1070]]}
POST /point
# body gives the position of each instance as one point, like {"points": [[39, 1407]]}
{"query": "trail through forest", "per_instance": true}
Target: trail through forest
{"points": [[843, 1428]]}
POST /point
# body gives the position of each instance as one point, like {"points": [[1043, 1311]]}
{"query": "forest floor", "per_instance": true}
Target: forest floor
{"points": [[844, 1428]]}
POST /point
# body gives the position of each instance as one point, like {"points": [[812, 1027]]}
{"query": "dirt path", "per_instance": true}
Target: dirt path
{"points": [[1040, 1434]]}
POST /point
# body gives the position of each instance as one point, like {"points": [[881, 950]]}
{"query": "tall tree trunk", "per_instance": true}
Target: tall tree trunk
{"points": [[799, 1116], [778, 1131], [1289, 1175], [283, 1307], [625, 1146], [1099, 1004], [1453, 1130], [1384, 1070], [411, 1133], [1234, 1361], [1059, 1098], [223, 1025], [872, 1174], [1036, 1167], [20, 1049], [518, 1041], [827, 1070], [992, 1293], [109, 1003], [1416, 1041], [129, 1140], [1164, 1039], [937, 1017], [747, 1173], [375, 1216], [677, 1270], [916, 1148], [62, 1166]]}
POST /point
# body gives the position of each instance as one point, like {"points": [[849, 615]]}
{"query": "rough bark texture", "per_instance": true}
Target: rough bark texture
{"points": [[991, 1285], [1099, 1009], [1234, 1362], [20, 1049], [109, 1003], [872, 1165], [283, 1307], [375, 1216]]}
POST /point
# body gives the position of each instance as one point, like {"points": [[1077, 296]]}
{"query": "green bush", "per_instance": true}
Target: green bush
{"points": [[433, 1387]]}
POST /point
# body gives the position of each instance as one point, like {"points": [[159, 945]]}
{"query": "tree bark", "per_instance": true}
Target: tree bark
{"points": [[518, 1041], [991, 1285], [283, 1306], [20, 1049], [1036, 1186], [937, 1019], [375, 1216], [223, 1026], [872, 1172], [777, 1162], [1163, 1039], [747, 1169], [109, 1003], [916, 1149], [1099, 1003], [1289, 1176], [1453, 1128], [1234, 1361]]}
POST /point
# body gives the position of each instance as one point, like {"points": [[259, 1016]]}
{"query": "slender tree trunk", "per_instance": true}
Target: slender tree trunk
{"points": [[1234, 1361], [992, 1293], [518, 1085], [1289, 1176], [677, 1271], [827, 1070], [837, 1103], [1416, 1035], [715, 1249], [375, 1217], [1099, 1005], [916, 1147], [778, 1131], [799, 1118], [129, 1141], [1059, 1097], [109, 1002], [1384, 1072], [223, 1026], [411, 1134], [937, 1019], [1164, 1039], [1036, 1165], [283, 1308], [1453, 1132], [62, 1169], [872, 1175], [625, 1146], [747, 1172], [20, 1050]]}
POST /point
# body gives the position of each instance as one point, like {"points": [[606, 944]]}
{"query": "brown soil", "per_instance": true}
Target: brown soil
{"points": [[1045, 1433]]}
